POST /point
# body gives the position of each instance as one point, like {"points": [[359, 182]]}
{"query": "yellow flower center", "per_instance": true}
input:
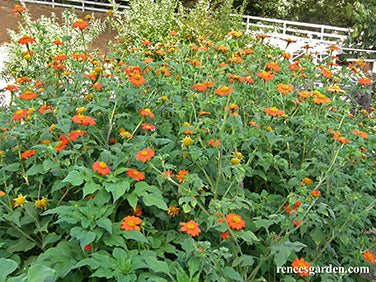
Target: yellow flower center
{"points": [[137, 77], [321, 96], [274, 110], [224, 88], [135, 172], [235, 219], [20, 200], [79, 20], [19, 112], [79, 131], [285, 87], [190, 226], [17, 6], [80, 116], [25, 36], [147, 110], [102, 165], [27, 91], [131, 223], [144, 153]]}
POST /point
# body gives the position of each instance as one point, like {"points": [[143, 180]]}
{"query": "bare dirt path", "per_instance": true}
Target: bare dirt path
{"points": [[10, 21]]}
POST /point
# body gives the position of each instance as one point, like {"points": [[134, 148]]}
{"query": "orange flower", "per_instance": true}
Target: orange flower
{"points": [[223, 90], [146, 126], [284, 88], [18, 9], [301, 267], [369, 257], [306, 181], [137, 79], [28, 95], [2, 194], [81, 119], [341, 139], [190, 227], [101, 168], [81, 24], [304, 94], [315, 193], [273, 66], [130, 223], [45, 108], [296, 223], [75, 134], [20, 114], [200, 87], [26, 40], [221, 48], [60, 146], [273, 112], [135, 174], [235, 221], [145, 155], [137, 212], [225, 235], [360, 134], [181, 176], [27, 154], [173, 210], [167, 173], [320, 98], [265, 75], [235, 33], [146, 113], [364, 81], [327, 73], [211, 142], [335, 89]]}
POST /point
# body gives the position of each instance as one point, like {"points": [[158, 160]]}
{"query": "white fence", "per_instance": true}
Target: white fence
{"points": [[84, 5]]}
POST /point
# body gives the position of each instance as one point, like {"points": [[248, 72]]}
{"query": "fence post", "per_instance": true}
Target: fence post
{"points": [[83, 5], [53, 4], [284, 28], [247, 29]]}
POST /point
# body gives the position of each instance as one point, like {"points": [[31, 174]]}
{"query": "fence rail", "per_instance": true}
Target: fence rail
{"points": [[84, 5]]}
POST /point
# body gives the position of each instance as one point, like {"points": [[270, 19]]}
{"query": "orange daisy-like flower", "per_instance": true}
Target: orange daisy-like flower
{"points": [[273, 111], [364, 81], [200, 87], [28, 95], [75, 134], [135, 174], [315, 193], [273, 66], [235, 221], [265, 75], [60, 146], [26, 40], [305, 94], [101, 167], [18, 9], [306, 181], [181, 174], [137, 212], [130, 223], [137, 79], [341, 139], [20, 114], [81, 24], [327, 73], [167, 173], [146, 112], [214, 144], [27, 154], [284, 88], [45, 108], [360, 134], [221, 48], [301, 267], [225, 235], [321, 98], [369, 257], [173, 210], [190, 227], [335, 89], [81, 119], [146, 126], [235, 33], [223, 90], [145, 155]]}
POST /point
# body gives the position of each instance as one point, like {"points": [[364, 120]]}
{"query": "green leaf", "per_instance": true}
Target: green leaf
{"points": [[249, 237], [51, 238], [90, 188], [12, 167], [74, 178], [117, 189], [85, 237], [243, 260], [155, 199], [193, 266], [21, 245], [40, 272], [231, 274], [157, 266], [283, 250], [105, 223], [35, 169], [49, 164], [7, 266], [135, 235]]}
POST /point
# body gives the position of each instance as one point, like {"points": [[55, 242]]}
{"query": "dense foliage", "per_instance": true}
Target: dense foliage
{"points": [[199, 161]]}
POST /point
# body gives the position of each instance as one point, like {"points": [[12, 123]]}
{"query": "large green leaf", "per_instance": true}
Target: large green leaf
{"points": [[7, 266]]}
